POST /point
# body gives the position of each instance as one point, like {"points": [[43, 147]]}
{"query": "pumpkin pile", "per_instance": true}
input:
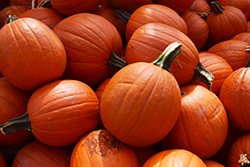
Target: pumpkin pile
{"points": [[114, 83]]}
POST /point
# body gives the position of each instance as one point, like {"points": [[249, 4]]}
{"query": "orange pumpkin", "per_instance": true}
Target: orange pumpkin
{"points": [[2, 161], [58, 113], [100, 148], [200, 7], [30, 54], [244, 36], [202, 126], [136, 105], [211, 163], [174, 157]]}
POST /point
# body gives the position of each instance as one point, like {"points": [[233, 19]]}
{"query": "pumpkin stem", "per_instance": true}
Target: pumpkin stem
{"points": [[115, 62], [244, 160], [15, 124], [217, 8], [10, 19], [121, 14], [168, 55], [202, 74], [44, 3]]}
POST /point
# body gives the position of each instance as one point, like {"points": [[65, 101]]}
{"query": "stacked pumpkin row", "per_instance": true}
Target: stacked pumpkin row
{"points": [[125, 84]]}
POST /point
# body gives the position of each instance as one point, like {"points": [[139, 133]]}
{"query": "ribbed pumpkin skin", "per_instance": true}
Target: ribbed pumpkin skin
{"points": [[244, 36], [99, 148], [239, 146], [13, 104], [235, 96], [224, 26], [33, 51], [174, 158], [211, 163], [38, 154], [200, 7], [61, 112], [140, 104], [26, 3], [202, 126], [46, 15], [88, 43], [154, 13], [148, 42], [72, 7], [233, 51]]}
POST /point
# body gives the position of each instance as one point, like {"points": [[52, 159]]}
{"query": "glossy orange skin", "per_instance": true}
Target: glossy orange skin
{"points": [[38, 154], [211, 163], [202, 126], [100, 149], [62, 111], [72, 7], [37, 54], [234, 95], [88, 43], [244, 36], [174, 158], [137, 107], [198, 30], [47, 16], [101, 88], [224, 26], [240, 146], [13, 104], [228, 49], [154, 13], [149, 41]]}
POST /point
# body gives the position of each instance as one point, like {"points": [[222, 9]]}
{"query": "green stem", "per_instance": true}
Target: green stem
{"points": [[10, 19], [115, 62], [216, 7], [123, 15], [15, 124], [168, 55], [248, 51], [202, 74]]}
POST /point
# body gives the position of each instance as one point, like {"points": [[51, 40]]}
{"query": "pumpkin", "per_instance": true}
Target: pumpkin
{"points": [[224, 22], [11, 10], [211, 163], [200, 7], [100, 148], [238, 154], [234, 95], [68, 8], [30, 54], [153, 13], [107, 12], [202, 126], [218, 66], [244, 36], [26, 3], [148, 41], [90, 44], [180, 6], [101, 88], [235, 52], [198, 30], [174, 157], [13, 104], [2, 162], [141, 102], [128, 5], [242, 5], [38, 154], [47, 16], [58, 113]]}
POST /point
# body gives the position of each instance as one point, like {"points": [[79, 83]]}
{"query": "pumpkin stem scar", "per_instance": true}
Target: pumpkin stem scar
{"points": [[244, 160], [168, 55], [123, 15], [10, 19], [202, 74], [115, 62], [15, 124]]}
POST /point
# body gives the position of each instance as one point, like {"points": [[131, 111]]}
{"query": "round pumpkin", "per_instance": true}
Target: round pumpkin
{"points": [[36, 153], [59, 113], [174, 157], [47, 16], [13, 104], [202, 126], [31, 54], [211, 163], [243, 36], [234, 95], [141, 102], [200, 7], [100, 148], [101, 88]]}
